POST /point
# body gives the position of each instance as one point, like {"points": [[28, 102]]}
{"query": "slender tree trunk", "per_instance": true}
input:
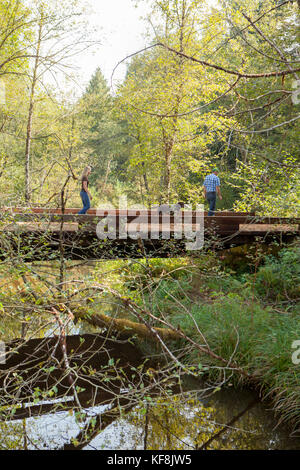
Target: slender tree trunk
{"points": [[168, 159], [106, 175], [62, 264], [146, 184], [146, 427], [31, 112], [144, 172]]}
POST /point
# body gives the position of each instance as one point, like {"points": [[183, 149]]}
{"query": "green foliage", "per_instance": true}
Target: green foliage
{"points": [[279, 278], [99, 130], [268, 190], [156, 273], [170, 143]]}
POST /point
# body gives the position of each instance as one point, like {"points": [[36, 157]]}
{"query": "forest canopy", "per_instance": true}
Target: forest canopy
{"points": [[215, 86]]}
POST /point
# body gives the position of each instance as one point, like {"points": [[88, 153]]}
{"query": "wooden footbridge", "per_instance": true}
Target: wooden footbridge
{"points": [[39, 233]]}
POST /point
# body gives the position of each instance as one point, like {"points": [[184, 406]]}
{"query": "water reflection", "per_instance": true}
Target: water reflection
{"points": [[179, 423]]}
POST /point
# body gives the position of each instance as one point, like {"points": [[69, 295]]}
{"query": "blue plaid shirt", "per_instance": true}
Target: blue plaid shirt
{"points": [[211, 182]]}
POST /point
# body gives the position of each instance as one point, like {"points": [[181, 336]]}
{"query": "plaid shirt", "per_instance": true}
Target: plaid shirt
{"points": [[210, 182]]}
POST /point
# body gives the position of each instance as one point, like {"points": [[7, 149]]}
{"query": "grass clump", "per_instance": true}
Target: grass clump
{"points": [[279, 278], [259, 341]]}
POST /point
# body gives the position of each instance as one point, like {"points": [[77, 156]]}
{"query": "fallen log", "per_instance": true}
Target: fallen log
{"points": [[39, 363], [125, 326]]}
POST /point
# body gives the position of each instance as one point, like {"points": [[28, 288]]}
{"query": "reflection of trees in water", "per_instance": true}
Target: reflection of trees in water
{"points": [[179, 422], [12, 436], [182, 423]]}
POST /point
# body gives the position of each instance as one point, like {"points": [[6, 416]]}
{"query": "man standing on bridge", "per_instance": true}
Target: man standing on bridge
{"points": [[211, 188]]}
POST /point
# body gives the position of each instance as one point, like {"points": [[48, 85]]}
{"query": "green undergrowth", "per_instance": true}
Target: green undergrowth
{"points": [[258, 339], [251, 319]]}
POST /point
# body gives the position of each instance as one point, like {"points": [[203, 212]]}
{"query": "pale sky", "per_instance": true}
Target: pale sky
{"points": [[121, 31]]}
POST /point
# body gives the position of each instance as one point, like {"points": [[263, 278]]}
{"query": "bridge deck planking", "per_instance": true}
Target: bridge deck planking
{"points": [[79, 237], [90, 220], [39, 220]]}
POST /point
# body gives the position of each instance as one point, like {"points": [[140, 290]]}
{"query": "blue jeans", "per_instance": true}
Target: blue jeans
{"points": [[85, 201], [211, 196]]}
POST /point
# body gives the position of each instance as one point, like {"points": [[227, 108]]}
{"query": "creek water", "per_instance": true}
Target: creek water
{"points": [[193, 419], [187, 425]]}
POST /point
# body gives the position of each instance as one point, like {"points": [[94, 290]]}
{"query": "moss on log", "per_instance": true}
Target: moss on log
{"points": [[124, 326]]}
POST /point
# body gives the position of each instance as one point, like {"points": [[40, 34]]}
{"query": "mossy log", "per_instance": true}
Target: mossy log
{"points": [[124, 326]]}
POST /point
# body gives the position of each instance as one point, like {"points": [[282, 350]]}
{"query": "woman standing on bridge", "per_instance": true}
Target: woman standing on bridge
{"points": [[84, 193]]}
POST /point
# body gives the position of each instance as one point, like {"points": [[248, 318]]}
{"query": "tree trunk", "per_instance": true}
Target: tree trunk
{"points": [[146, 185], [106, 175], [31, 112], [168, 158]]}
